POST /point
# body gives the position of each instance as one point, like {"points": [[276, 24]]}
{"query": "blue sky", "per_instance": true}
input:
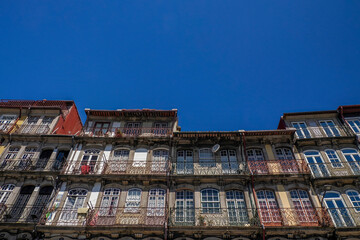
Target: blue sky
{"points": [[225, 65]]}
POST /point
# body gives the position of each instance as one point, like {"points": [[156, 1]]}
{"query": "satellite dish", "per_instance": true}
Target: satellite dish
{"points": [[215, 148]]}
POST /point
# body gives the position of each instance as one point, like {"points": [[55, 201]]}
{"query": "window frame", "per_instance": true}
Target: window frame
{"points": [[357, 208], [301, 130], [210, 206], [339, 163], [130, 200], [207, 161], [330, 129], [357, 131]]}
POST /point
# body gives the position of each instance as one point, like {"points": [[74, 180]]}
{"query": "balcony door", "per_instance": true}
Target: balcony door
{"points": [[237, 211], [40, 203], [353, 158], [6, 122], [269, 209], [316, 164], [338, 210], [257, 161], [101, 128], [43, 159], [89, 160], [44, 127], [229, 161], [30, 126], [185, 162], [132, 128], [60, 159], [287, 161], [306, 214], [75, 199], [159, 161], [19, 206], [25, 162], [184, 208], [120, 161], [10, 158]]}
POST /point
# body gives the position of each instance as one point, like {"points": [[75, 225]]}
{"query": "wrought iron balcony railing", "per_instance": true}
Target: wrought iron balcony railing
{"points": [[11, 213], [345, 217], [213, 217], [5, 128], [295, 217], [209, 168], [335, 169], [127, 132], [33, 129], [275, 167], [107, 216], [136, 167], [29, 164]]}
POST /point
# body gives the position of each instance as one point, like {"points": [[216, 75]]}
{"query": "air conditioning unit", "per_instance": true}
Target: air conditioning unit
{"points": [[85, 169]]}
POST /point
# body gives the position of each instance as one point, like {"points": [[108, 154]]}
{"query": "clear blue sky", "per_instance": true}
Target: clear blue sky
{"points": [[225, 65]]}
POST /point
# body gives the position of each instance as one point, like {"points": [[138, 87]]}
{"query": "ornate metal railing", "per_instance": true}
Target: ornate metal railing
{"points": [[209, 168], [345, 217], [127, 132], [33, 129], [275, 167], [245, 217], [295, 217], [136, 167], [30, 214], [5, 128], [29, 164], [335, 169], [92, 168]]}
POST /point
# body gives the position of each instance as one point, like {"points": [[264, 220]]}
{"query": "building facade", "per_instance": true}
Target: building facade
{"points": [[133, 174]]}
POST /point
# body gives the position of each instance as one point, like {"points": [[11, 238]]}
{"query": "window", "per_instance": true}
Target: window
{"points": [[316, 164], [159, 160], [301, 130], [60, 159], [286, 159], [303, 207], [44, 127], [5, 191], [353, 158], [269, 210], [210, 202], [161, 128], [21, 202], [120, 160], [101, 128], [236, 207], [132, 128], [109, 202], [31, 124], [43, 159], [156, 202], [257, 161], [185, 208], [11, 155], [133, 200], [89, 160], [333, 158], [229, 161], [6, 121], [354, 199], [40, 203], [75, 199], [354, 124], [329, 128], [185, 162], [337, 210], [206, 158], [140, 157], [26, 159]]}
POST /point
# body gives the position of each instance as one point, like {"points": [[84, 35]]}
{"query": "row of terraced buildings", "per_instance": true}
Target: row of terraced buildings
{"points": [[133, 174]]}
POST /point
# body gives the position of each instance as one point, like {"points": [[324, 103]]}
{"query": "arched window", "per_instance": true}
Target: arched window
{"points": [[206, 158], [133, 200], [269, 209], [210, 201], [75, 199], [316, 164], [140, 157], [303, 207], [229, 161], [185, 162], [156, 202], [120, 161], [257, 161], [184, 207], [333, 158], [286, 159], [353, 158], [88, 162], [237, 211], [338, 210], [354, 199], [5, 192], [109, 202], [160, 160]]}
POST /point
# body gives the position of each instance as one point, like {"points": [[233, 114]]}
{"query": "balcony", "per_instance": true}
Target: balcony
{"points": [[345, 217], [108, 216], [335, 169], [276, 167], [29, 164], [209, 168], [278, 217], [5, 128], [127, 132], [16, 214], [213, 217], [37, 129], [136, 168]]}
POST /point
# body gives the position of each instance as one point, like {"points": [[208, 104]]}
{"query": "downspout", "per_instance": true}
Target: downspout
{"points": [[253, 190]]}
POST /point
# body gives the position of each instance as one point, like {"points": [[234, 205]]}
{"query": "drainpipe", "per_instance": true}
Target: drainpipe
{"points": [[253, 191]]}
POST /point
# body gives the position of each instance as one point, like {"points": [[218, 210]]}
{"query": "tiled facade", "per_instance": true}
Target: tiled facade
{"points": [[133, 174]]}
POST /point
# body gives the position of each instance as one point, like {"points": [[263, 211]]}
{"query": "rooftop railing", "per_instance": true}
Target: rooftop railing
{"points": [[127, 132], [275, 167]]}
